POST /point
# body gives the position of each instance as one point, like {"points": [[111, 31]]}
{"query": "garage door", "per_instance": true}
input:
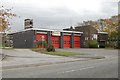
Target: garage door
{"points": [[66, 41], [39, 38], [76, 41], [55, 41]]}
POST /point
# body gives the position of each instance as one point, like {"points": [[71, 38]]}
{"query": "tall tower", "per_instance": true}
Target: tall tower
{"points": [[28, 23]]}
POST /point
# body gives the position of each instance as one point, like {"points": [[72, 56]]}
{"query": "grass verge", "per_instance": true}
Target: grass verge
{"points": [[59, 53]]}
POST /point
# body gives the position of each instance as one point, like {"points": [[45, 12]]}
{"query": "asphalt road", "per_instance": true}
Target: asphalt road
{"points": [[103, 68]]}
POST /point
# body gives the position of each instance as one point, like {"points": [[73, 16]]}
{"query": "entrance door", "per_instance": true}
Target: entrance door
{"points": [[66, 41], [39, 38], [55, 40], [76, 41]]}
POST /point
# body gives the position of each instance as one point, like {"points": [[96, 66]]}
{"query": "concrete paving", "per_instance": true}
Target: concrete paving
{"points": [[16, 58]]}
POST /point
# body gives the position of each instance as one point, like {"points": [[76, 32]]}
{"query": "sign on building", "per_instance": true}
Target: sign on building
{"points": [[43, 37], [56, 33]]}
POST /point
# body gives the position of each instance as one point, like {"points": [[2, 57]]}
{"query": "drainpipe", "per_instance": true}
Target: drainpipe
{"points": [[61, 40], [72, 40]]}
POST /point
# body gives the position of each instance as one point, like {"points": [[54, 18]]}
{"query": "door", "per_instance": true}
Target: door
{"points": [[55, 40], [66, 41], [76, 41], [39, 38]]}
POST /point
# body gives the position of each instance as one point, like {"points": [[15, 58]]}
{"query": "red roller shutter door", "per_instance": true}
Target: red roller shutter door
{"points": [[76, 41], [39, 38], [55, 41], [66, 41]]}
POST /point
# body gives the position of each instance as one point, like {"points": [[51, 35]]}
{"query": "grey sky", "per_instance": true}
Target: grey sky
{"points": [[59, 14]]}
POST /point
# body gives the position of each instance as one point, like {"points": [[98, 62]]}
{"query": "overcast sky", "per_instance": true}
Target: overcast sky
{"points": [[59, 14]]}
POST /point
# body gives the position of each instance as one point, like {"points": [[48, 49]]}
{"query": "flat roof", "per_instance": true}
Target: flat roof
{"points": [[47, 30], [30, 29], [72, 31]]}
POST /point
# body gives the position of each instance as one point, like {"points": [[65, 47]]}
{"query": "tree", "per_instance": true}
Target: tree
{"points": [[5, 16], [112, 29], [118, 41], [42, 44]]}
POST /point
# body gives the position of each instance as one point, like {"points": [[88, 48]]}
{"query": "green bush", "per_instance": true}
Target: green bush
{"points": [[93, 44], [50, 48], [42, 43]]}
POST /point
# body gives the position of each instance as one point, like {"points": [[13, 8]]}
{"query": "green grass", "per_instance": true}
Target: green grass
{"points": [[59, 53], [1, 46]]}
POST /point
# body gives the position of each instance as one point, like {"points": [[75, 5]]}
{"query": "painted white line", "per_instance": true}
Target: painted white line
{"points": [[70, 71], [77, 69], [86, 68]]}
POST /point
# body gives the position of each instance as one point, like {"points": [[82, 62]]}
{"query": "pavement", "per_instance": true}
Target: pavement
{"points": [[24, 63], [95, 68], [17, 58]]}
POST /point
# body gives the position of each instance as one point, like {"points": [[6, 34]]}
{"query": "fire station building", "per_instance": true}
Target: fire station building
{"points": [[28, 38]]}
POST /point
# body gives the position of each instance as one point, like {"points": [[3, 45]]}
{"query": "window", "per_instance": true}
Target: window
{"points": [[86, 38]]}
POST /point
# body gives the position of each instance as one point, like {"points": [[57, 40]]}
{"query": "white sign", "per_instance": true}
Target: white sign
{"points": [[43, 37], [56, 33]]}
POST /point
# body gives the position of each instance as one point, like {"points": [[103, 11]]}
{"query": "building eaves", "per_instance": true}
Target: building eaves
{"points": [[102, 32]]}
